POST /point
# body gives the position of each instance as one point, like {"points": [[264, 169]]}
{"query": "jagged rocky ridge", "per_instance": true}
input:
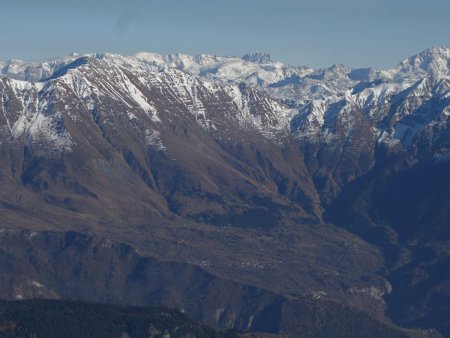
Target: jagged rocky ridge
{"points": [[179, 155]]}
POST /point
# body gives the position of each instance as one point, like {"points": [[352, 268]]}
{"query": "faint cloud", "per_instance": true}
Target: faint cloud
{"points": [[126, 20]]}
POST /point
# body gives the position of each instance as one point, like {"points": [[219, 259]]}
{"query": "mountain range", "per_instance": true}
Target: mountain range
{"points": [[248, 193]]}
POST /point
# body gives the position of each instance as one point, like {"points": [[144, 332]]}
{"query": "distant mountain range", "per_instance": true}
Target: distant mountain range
{"points": [[319, 189]]}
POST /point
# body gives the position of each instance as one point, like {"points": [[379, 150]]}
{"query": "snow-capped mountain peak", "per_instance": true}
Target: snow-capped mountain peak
{"points": [[431, 62], [434, 61], [257, 57]]}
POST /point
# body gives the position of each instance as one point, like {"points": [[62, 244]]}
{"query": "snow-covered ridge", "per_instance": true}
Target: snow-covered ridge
{"points": [[294, 83], [267, 95], [148, 97], [434, 62], [37, 70], [395, 107], [30, 118], [395, 114]]}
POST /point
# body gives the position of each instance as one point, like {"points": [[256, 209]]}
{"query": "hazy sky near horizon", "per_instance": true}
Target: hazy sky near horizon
{"points": [[317, 33]]}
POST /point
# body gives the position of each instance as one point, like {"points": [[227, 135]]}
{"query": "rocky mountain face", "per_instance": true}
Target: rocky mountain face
{"points": [[312, 188]]}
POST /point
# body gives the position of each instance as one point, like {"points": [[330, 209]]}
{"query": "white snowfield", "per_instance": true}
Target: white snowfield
{"points": [[256, 92]]}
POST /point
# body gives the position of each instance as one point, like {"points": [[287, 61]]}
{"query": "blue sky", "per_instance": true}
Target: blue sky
{"points": [[316, 33]]}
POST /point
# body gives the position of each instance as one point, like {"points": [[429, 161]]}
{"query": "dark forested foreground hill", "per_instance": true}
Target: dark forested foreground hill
{"points": [[69, 319], [58, 319]]}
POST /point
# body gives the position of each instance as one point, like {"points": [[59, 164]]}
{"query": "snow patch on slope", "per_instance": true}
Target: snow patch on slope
{"points": [[35, 123]]}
